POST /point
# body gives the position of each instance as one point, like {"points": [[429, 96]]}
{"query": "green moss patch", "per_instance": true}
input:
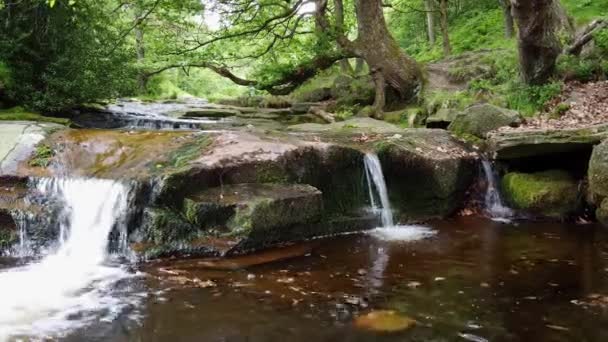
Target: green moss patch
{"points": [[551, 193]]}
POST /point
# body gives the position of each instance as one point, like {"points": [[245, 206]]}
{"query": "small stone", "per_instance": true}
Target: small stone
{"points": [[439, 278], [250, 276], [361, 272], [286, 280]]}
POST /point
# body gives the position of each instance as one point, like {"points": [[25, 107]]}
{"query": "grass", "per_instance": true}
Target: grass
{"points": [[20, 114], [585, 11], [42, 156]]}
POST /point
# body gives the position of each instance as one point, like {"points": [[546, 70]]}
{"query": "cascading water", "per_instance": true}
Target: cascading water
{"points": [[388, 231], [373, 169], [493, 202], [76, 282]]}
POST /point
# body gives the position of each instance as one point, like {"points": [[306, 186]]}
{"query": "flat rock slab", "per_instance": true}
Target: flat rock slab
{"points": [[19, 139], [257, 206], [521, 143], [355, 125]]}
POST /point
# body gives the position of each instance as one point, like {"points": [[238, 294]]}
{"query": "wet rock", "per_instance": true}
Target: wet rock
{"points": [[211, 113], [386, 321], [551, 193], [427, 172], [478, 120], [245, 216], [19, 140]]}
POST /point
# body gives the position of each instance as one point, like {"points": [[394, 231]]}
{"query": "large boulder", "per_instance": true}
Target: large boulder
{"points": [[427, 173], [598, 181], [552, 193], [476, 121]]}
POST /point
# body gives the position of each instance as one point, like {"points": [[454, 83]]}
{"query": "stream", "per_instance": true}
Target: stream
{"points": [[474, 280], [461, 279]]}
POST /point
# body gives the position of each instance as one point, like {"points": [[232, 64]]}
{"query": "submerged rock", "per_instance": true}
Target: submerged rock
{"points": [[551, 193], [386, 321], [354, 125], [480, 119]]}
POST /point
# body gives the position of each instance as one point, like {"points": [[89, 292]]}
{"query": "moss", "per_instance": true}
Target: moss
{"points": [[42, 156], [20, 114], [552, 193], [478, 120]]}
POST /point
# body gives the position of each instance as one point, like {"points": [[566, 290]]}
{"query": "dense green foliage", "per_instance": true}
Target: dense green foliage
{"points": [[57, 55], [62, 55]]}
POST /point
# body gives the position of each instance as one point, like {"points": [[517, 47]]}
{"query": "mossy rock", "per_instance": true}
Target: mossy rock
{"points": [[480, 119], [552, 193], [348, 90]]}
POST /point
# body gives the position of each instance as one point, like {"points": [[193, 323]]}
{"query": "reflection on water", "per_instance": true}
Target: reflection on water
{"points": [[474, 280]]}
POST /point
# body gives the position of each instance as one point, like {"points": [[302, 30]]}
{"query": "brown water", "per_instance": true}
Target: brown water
{"points": [[475, 280]]}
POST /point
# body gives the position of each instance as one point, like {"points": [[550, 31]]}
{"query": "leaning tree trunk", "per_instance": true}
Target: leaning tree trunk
{"points": [[398, 73], [345, 65], [539, 22], [140, 50]]}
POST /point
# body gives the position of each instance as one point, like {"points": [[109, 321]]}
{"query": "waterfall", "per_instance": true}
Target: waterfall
{"points": [[74, 283], [373, 170], [389, 231], [493, 202]]}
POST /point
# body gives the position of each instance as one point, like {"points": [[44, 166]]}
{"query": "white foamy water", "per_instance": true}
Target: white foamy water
{"points": [[493, 202], [389, 231], [402, 233], [75, 284]]}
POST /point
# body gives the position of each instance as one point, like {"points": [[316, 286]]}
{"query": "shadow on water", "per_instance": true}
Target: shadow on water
{"points": [[474, 280]]}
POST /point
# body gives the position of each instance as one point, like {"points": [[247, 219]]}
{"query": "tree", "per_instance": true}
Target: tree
{"points": [[540, 23], [62, 55], [443, 23], [285, 27]]}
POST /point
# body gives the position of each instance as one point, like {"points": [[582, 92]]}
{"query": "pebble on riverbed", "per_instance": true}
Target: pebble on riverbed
{"points": [[387, 321]]}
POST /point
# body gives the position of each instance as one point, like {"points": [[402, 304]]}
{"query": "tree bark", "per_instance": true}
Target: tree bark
{"points": [[445, 33], [539, 45], [430, 20], [140, 50], [345, 65], [401, 74], [508, 18], [359, 65]]}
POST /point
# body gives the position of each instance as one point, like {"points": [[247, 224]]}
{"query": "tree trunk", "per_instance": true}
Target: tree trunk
{"points": [[508, 18], [539, 45], [359, 65], [430, 20], [140, 50], [443, 11], [401, 74], [339, 13]]}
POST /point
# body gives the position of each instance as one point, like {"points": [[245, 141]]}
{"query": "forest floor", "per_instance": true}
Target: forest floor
{"points": [[579, 105]]}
